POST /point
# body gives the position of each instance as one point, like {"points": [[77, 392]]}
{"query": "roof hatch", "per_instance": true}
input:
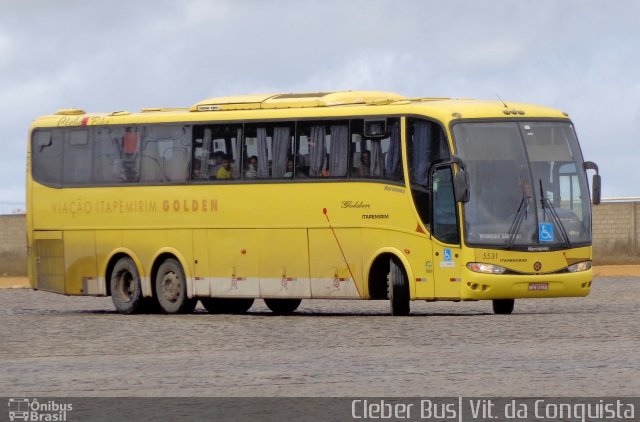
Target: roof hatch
{"points": [[296, 100]]}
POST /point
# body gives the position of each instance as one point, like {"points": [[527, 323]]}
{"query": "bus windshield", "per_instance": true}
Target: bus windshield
{"points": [[528, 187]]}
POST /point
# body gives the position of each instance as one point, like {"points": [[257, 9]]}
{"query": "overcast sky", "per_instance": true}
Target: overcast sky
{"points": [[580, 56]]}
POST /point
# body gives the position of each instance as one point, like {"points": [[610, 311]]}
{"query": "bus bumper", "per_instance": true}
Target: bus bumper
{"points": [[478, 286]]}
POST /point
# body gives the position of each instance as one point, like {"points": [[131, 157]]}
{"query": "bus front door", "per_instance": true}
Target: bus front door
{"points": [[446, 236]]}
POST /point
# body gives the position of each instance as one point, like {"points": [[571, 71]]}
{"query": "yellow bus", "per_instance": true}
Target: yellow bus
{"points": [[284, 197]]}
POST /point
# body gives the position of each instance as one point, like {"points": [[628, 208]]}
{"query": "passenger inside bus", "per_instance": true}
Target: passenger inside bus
{"points": [[252, 168], [130, 148], [225, 171], [218, 158], [364, 169]]}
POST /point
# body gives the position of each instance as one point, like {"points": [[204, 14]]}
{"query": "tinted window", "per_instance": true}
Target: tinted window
{"points": [[217, 152], [46, 156], [379, 156], [77, 158], [166, 154], [323, 148]]}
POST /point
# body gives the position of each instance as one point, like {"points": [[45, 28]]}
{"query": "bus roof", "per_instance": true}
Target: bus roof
{"points": [[307, 105]]}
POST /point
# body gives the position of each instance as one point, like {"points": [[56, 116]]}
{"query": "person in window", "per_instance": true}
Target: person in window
{"points": [[289, 172], [130, 147], [364, 169], [252, 170], [213, 168], [225, 171]]}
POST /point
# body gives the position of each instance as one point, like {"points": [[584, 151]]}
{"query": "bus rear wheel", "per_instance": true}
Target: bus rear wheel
{"points": [[171, 288], [126, 289], [282, 306], [503, 306], [398, 288], [216, 305]]}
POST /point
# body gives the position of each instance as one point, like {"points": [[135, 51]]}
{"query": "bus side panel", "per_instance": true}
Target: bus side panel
{"points": [[81, 275], [331, 277], [106, 242], [447, 265], [201, 264], [182, 242], [145, 244], [284, 263], [233, 263], [417, 249], [48, 254], [372, 241]]}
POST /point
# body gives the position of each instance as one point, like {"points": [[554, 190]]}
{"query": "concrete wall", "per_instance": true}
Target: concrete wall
{"points": [[13, 245], [616, 232], [616, 237]]}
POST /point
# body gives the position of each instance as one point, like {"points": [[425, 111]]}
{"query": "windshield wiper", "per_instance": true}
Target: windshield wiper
{"points": [[547, 205], [521, 214]]}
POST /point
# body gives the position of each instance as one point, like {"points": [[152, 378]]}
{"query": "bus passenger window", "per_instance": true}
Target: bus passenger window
{"points": [[445, 227], [216, 152], [166, 154], [77, 158], [46, 152], [427, 145], [130, 145], [325, 148], [392, 152], [317, 151], [267, 149], [378, 155]]}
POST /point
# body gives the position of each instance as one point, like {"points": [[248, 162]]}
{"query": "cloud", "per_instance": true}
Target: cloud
{"points": [[579, 56]]}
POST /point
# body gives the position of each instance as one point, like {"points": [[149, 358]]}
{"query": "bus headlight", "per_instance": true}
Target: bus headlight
{"points": [[479, 267], [580, 266]]}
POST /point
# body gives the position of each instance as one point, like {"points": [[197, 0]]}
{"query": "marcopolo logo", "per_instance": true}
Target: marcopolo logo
{"points": [[22, 409]]}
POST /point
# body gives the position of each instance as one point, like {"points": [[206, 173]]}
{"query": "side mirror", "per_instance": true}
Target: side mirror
{"points": [[460, 180], [596, 184], [461, 185]]}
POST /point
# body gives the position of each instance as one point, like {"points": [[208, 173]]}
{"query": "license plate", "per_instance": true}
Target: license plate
{"points": [[538, 286]]}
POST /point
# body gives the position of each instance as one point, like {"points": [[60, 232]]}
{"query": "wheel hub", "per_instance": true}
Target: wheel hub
{"points": [[171, 287], [126, 286]]}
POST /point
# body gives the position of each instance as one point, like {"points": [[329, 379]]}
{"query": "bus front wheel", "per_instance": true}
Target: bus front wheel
{"points": [[398, 287], [216, 305], [126, 289], [282, 306], [503, 306], [171, 288]]}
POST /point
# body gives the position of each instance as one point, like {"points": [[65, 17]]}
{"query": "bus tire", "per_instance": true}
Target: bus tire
{"points": [[282, 306], [216, 305], [398, 290], [126, 289], [171, 288], [503, 306]]}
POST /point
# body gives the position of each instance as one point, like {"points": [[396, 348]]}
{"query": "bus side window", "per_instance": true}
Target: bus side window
{"points": [[316, 140], [378, 157], [226, 147], [327, 145], [339, 150], [392, 151], [130, 143], [445, 227], [426, 145], [77, 158], [106, 156], [166, 154], [46, 153]]}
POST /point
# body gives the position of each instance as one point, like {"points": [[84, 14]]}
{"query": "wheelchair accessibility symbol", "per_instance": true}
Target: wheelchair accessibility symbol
{"points": [[545, 232]]}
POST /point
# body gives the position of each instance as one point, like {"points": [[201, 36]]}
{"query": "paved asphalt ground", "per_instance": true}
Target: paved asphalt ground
{"points": [[52, 345]]}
